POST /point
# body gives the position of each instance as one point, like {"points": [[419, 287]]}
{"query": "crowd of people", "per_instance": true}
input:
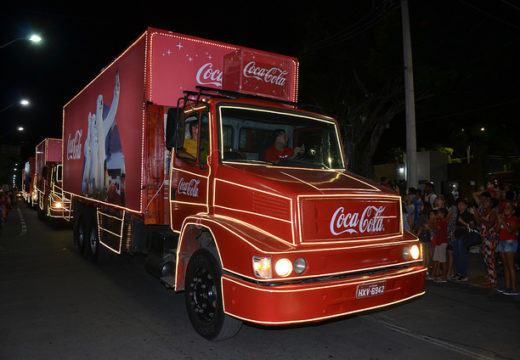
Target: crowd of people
{"points": [[448, 228]]}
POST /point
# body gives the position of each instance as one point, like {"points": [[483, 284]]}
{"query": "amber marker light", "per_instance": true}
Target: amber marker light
{"points": [[262, 267]]}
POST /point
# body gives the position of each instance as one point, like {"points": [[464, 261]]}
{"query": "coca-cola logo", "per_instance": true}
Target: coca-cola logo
{"points": [[188, 188], [369, 221], [208, 75], [74, 145], [273, 75]]}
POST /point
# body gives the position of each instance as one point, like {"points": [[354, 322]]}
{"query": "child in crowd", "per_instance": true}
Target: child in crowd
{"points": [[507, 246], [439, 243]]}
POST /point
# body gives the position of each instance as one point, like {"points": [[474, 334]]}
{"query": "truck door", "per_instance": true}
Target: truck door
{"points": [[189, 193]]}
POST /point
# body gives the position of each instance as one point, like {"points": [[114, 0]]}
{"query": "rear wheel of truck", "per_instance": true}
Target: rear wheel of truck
{"points": [[80, 235], [203, 298]]}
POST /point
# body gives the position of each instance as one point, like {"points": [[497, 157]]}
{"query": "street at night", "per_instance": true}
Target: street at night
{"points": [[324, 180], [55, 304]]}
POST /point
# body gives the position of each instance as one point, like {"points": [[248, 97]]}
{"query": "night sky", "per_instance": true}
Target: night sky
{"points": [[465, 55]]}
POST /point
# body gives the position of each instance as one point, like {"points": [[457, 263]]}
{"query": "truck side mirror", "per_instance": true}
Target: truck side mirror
{"points": [[172, 124]]}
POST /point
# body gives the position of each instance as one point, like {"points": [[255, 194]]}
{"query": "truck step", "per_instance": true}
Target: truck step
{"points": [[168, 281]]}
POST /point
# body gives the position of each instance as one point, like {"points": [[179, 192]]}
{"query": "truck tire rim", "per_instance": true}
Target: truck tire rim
{"points": [[203, 295], [93, 242], [81, 237]]}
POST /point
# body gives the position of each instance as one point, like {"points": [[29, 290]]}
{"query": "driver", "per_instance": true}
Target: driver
{"points": [[280, 150]]}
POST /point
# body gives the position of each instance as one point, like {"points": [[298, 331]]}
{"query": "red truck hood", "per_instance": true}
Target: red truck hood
{"points": [[294, 181], [324, 205]]}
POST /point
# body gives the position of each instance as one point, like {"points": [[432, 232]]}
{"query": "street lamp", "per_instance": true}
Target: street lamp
{"points": [[22, 102], [34, 38]]}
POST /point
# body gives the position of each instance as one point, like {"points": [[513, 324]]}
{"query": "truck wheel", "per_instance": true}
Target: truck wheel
{"points": [[203, 298], [97, 252], [80, 236]]}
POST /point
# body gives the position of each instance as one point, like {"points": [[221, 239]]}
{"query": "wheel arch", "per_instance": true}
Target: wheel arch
{"points": [[194, 236]]}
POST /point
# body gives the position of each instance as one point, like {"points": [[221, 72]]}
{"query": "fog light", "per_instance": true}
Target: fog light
{"points": [[415, 252], [300, 265], [262, 267], [283, 267]]}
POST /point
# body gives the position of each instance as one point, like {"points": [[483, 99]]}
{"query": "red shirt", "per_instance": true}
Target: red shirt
{"points": [[441, 236], [504, 234], [273, 153]]}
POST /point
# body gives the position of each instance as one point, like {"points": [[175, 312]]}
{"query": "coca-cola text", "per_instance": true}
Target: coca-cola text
{"points": [[273, 75], [369, 221]]}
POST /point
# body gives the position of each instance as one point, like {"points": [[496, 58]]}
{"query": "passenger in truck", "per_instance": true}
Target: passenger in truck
{"points": [[191, 143], [280, 150]]}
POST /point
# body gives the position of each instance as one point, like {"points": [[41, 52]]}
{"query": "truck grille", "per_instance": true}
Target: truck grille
{"points": [[352, 218]]}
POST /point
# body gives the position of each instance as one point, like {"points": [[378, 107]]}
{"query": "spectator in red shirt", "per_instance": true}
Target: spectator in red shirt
{"points": [[439, 244], [280, 150], [507, 246]]}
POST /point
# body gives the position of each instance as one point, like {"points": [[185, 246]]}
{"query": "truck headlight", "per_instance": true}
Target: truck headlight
{"points": [[262, 267], [283, 267], [415, 252], [57, 205]]}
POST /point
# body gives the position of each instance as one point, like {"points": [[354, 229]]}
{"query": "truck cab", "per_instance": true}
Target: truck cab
{"points": [[279, 241]]}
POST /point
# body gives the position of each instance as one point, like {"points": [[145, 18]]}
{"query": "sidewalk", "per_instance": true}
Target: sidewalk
{"points": [[477, 274]]}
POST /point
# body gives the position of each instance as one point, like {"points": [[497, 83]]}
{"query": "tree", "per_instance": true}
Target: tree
{"points": [[362, 68]]}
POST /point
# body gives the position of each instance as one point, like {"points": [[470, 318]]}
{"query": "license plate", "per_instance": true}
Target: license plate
{"points": [[371, 289]]}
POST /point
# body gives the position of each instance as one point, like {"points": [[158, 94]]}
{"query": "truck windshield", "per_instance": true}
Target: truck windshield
{"points": [[277, 137]]}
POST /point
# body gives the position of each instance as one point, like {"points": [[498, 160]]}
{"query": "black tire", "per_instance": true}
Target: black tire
{"points": [[80, 235], [97, 252], [203, 297]]}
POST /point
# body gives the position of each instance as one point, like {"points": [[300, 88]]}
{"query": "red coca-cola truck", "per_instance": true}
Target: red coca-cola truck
{"points": [[47, 179], [196, 153], [27, 180]]}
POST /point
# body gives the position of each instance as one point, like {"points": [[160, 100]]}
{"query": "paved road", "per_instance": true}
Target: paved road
{"points": [[54, 304]]}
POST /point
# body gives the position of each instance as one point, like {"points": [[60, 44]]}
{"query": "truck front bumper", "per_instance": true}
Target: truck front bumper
{"points": [[321, 300]]}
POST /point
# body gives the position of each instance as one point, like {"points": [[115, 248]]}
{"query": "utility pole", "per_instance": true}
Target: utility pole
{"points": [[411, 142]]}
